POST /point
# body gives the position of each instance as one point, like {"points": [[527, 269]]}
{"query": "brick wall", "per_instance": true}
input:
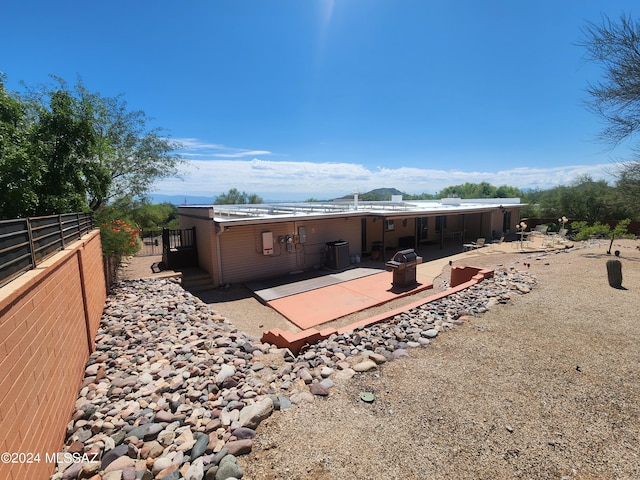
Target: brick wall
{"points": [[48, 320]]}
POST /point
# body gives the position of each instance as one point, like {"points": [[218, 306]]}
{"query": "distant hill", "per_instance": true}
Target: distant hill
{"points": [[182, 199], [378, 194]]}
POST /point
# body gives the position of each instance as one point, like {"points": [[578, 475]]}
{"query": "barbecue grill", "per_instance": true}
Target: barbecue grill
{"points": [[404, 266]]}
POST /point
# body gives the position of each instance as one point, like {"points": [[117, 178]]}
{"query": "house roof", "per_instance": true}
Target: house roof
{"points": [[277, 212]]}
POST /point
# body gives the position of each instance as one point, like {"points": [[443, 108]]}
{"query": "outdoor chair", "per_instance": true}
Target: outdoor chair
{"points": [[474, 245], [562, 236], [497, 242], [540, 230]]}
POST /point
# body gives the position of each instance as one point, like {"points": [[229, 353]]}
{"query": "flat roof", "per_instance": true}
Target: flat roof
{"points": [[270, 212]]}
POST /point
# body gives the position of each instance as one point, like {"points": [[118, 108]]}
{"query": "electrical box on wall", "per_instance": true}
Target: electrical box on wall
{"points": [[267, 243], [302, 234]]}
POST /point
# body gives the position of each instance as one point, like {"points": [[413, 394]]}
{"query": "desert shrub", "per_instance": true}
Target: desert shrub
{"points": [[583, 231], [119, 238]]}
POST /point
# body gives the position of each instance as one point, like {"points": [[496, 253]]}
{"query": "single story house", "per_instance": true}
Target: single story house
{"points": [[241, 243]]}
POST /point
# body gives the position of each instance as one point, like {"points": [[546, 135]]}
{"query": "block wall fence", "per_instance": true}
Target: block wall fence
{"points": [[49, 317]]}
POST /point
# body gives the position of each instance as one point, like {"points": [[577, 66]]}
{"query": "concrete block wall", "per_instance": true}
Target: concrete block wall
{"points": [[48, 320]]}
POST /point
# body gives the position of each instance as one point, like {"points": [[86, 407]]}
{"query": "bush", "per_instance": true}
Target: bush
{"points": [[583, 231], [118, 237]]}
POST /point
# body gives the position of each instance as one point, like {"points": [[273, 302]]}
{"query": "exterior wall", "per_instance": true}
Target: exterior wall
{"points": [[241, 247], [48, 320], [496, 223], [205, 239], [94, 284], [232, 252], [375, 232], [400, 230], [470, 224], [455, 225]]}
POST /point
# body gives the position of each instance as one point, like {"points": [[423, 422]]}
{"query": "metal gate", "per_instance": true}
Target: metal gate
{"points": [[151, 243]]}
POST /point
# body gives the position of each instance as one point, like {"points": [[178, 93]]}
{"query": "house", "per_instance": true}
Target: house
{"points": [[241, 243]]}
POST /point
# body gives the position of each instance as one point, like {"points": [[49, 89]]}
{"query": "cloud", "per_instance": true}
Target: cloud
{"points": [[192, 147], [289, 180]]}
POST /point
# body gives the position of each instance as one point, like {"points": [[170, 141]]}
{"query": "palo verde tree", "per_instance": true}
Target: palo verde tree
{"points": [[584, 199], [616, 98]]}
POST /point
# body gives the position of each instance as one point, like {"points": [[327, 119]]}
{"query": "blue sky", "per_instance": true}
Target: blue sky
{"points": [[293, 99]]}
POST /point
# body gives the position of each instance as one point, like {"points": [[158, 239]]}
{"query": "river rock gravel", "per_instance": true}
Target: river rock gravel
{"points": [[176, 391]]}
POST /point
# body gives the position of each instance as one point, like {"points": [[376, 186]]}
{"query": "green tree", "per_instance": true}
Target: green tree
{"points": [[584, 199], [480, 190], [628, 188], [65, 144], [616, 98], [18, 175], [235, 197], [420, 196], [69, 149], [505, 191], [154, 216], [137, 155]]}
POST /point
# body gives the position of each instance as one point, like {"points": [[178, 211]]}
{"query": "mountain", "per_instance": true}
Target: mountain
{"points": [[182, 199]]}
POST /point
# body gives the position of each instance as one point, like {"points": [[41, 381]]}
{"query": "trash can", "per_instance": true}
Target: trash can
{"points": [[404, 266], [337, 255]]}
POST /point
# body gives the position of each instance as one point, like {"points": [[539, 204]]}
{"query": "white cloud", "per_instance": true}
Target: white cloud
{"points": [[288, 180], [192, 147]]}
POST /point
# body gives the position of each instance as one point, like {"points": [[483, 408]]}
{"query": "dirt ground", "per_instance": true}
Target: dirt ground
{"points": [[545, 387]]}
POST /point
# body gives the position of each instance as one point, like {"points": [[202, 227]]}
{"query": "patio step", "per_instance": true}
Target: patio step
{"points": [[196, 280]]}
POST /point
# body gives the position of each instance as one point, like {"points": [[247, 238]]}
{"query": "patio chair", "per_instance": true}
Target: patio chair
{"points": [[497, 242], [562, 236], [540, 230], [479, 243]]}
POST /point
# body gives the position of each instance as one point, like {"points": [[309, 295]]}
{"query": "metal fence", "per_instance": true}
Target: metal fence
{"points": [[151, 243], [173, 239], [26, 242]]}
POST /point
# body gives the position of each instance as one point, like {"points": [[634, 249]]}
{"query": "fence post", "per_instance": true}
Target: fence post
{"points": [[61, 231], [32, 247]]}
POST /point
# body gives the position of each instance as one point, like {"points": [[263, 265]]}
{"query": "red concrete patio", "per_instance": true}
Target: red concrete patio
{"points": [[321, 305]]}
